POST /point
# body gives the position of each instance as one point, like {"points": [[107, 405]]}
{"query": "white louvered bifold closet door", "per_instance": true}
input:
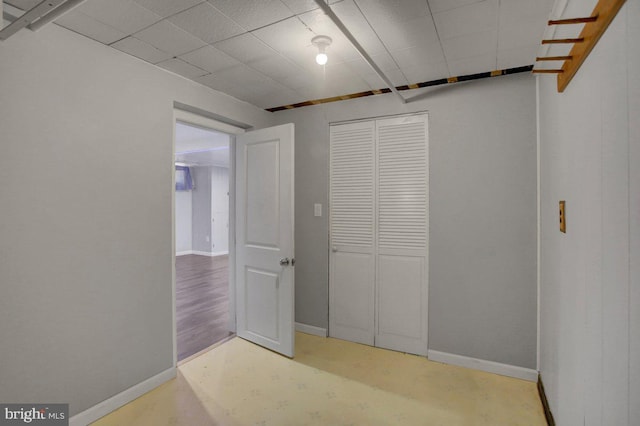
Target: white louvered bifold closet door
{"points": [[401, 266], [379, 183], [352, 220]]}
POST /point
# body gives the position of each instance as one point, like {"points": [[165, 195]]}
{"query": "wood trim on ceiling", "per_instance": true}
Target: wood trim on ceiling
{"points": [[431, 83]]}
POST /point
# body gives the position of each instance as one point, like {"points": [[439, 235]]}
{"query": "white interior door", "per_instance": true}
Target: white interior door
{"points": [[402, 234], [352, 219], [265, 237], [379, 233]]}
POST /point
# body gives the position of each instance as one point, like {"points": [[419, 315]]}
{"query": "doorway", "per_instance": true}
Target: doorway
{"points": [[261, 176], [202, 296]]}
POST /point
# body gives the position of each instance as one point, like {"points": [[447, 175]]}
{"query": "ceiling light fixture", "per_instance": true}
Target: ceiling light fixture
{"points": [[321, 42]]}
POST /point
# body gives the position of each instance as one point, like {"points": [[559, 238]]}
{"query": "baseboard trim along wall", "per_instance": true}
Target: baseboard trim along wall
{"points": [[311, 329], [483, 365], [105, 407], [202, 253], [545, 403]]}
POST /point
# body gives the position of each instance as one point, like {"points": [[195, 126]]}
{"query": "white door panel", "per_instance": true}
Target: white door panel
{"points": [[264, 223], [402, 237], [401, 325], [352, 257], [352, 298]]}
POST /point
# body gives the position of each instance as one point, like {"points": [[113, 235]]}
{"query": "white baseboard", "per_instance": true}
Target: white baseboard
{"points": [[311, 329], [202, 253], [210, 254], [483, 365], [105, 407]]}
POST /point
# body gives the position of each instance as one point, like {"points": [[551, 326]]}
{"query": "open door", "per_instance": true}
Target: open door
{"points": [[264, 242]]}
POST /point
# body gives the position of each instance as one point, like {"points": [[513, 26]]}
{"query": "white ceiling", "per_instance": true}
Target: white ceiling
{"points": [[196, 146], [260, 51]]}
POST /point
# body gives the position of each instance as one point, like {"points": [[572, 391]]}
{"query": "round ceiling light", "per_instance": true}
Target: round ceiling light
{"points": [[321, 42]]}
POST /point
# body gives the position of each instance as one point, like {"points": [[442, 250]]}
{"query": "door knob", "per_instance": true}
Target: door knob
{"points": [[334, 249], [284, 262]]}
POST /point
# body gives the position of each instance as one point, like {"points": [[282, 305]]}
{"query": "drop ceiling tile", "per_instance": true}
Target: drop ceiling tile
{"points": [[253, 14], [426, 72], [301, 6], [248, 94], [513, 11], [442, 5], [472, 65], [321, 24], [418, 55], [215, 82], [290, 34], [474, 18], [89, 27], [239, 91], [375, 82], [277, 98], [23, 4], [471, 45], [242, 75], [519, 57], [167, 8], [383, 60], [414, 32], [275, 66], [383, 12], [124, 15], [169, 38], [182, 68], [245, 47], [354, 20], [142, 50], [207, 23], [296, 81], [209, 58], [523, 34]]}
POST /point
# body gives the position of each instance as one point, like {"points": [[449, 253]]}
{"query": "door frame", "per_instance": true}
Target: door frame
{"points": [[197, 120]]}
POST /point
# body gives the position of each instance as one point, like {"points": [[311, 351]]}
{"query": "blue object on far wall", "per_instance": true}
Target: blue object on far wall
{"points": [[184, 182]]}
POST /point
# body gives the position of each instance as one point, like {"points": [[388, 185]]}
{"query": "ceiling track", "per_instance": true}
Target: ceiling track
{"points": [[38, 16], [345, 31]]}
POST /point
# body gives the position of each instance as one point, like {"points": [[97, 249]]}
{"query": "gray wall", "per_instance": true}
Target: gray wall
{"points": [[482, 254], [201, 209], [183, 220], [85, 227], [590, 281]]}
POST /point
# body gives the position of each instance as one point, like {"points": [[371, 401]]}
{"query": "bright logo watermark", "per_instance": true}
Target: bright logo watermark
{"points": [[34, 414]]}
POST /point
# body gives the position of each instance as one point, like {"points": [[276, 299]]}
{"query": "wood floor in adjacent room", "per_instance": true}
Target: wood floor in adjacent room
{"points": [[202, 302], [329, 382]]}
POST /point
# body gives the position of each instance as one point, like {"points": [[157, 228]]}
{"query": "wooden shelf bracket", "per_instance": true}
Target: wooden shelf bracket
{"points": [[594, 27]]}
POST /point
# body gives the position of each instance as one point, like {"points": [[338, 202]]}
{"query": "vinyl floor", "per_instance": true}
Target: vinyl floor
{"points": [[329, 382], [202, 302]]}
